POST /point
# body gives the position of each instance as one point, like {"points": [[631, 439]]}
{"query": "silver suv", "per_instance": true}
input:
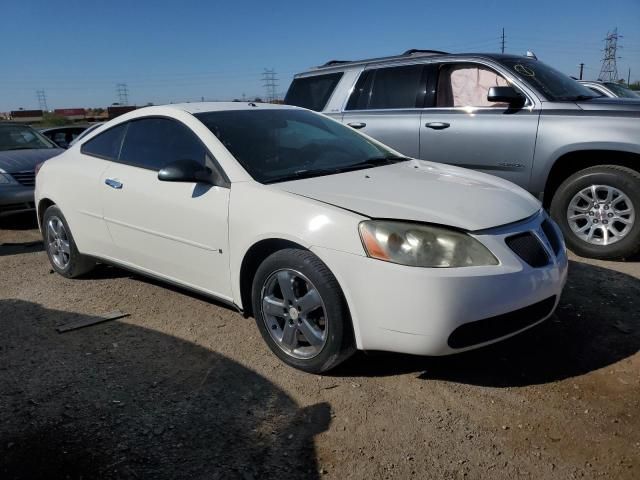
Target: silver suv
{"points": [[506, 115]]}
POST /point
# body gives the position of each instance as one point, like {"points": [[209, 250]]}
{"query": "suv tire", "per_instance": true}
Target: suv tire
{"points": [[588, 206]]}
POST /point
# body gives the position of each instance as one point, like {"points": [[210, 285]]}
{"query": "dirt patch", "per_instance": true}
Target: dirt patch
{"points": [[185, 388]]}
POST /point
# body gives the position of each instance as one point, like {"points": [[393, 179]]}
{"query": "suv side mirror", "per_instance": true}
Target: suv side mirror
{"points": [[186, 171], [507, 95]]}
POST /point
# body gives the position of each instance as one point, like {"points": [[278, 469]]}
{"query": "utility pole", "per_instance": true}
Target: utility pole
{"points": [[581, 70], [609, 69], [42, 100], [123, 93], [629, 77], [502, 41], [269, 81]]}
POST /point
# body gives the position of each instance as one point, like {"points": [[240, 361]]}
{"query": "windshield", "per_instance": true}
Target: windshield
{"points": [[553, 84], [276, 145], [621, 91], [21, 137]]}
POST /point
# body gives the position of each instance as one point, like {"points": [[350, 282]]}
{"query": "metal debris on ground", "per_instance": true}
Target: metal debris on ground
{"points": [[87, 322]]}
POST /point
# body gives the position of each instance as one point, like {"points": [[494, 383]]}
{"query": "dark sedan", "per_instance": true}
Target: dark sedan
{"points": [[21, 149], [63, 136]]}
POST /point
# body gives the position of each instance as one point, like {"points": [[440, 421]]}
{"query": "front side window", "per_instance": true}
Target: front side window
{"points": [[21, 137], [467, 85], [276, 145], [387, 88], [312, 92], [107, 144], [154, 143], [621, 91]]}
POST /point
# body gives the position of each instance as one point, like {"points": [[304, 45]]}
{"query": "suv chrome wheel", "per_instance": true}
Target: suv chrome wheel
{"points": [[294, 314], [600, 214], [58, 243]]}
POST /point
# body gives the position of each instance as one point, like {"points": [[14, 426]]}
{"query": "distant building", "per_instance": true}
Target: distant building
{"points": [[117, 110], [73, 114]]}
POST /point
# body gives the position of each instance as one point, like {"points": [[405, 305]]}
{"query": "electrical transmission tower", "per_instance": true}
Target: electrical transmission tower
{"points": [[123, 93], [270, 83], [609, 69], [42, 100]]}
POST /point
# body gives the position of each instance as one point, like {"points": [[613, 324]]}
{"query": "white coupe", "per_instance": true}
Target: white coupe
{"points": [[331, 240]]}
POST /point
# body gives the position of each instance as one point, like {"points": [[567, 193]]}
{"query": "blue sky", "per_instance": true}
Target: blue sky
{"points": [[77, 51]]}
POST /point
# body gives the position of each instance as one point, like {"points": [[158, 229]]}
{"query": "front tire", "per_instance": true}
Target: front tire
{"points": [[60, 246], [301, 311], [597, 209]]}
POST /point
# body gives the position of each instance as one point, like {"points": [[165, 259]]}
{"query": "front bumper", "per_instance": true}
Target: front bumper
{"points": [[15, 198], [416, 310]]}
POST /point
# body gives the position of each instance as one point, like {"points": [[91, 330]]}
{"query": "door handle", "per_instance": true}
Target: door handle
{"points": [[113, 183], [357, 125], [437, 125]]}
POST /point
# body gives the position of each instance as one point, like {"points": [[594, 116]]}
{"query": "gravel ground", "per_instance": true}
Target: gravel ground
{"points": [[186, 388]]}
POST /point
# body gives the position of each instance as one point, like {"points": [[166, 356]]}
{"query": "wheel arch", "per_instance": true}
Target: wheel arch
{"points": [[43, 204], [571, 162], [252, 259]]}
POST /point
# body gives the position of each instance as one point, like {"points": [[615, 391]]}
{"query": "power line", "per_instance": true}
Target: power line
{"points": [[42, 100], [609, 69], [123, 93], [270, 83]]}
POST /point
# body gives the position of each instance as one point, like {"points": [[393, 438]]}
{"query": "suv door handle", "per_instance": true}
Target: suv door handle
{"points": [[113, 183], [357, 125], [437, 125]]}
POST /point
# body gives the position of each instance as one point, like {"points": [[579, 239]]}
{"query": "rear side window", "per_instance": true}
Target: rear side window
{"points": [[312, 92], [107, 144], [153, 143], [386, 88]]}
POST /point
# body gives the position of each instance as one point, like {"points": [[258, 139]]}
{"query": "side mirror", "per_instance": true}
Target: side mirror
{"points": [[507, 95], [186, 171]]}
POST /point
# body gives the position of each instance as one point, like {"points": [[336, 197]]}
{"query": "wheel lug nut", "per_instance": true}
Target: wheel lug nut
{"points": [[605, 221], [609, 214], [595, 220]]}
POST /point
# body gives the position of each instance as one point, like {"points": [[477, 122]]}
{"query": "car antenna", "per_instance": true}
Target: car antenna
{"points": [[530, 54]]}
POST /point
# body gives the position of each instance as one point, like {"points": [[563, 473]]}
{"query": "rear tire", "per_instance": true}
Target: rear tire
{"points": [[60, 246], [588, 206], [301, 312]]}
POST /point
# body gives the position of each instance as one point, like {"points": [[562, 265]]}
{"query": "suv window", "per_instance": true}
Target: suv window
{"points": [[467, 85], [155, 142], [385, 88], [312, 92], [107, 144]]}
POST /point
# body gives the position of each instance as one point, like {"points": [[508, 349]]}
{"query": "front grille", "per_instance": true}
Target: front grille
{"points": [[491, 328], [26, 178], [552, 236], [528, 248]]}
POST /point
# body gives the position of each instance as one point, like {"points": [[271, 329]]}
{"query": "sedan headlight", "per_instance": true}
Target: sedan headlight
{"points": [[419, 245], [6, 179]]}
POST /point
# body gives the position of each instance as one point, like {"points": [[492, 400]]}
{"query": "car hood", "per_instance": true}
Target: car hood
{"points": [[610, 103], [12, 161], [422, 191]]}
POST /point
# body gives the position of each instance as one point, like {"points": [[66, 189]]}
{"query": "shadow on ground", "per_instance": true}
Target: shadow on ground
{"points": [[597, 324], [118, 401]]}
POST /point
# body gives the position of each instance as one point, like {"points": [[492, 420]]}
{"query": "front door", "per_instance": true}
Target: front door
{"points": [[177, 230], [465, 129]]}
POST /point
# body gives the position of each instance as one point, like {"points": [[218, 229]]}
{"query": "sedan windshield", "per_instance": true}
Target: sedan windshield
{"points": [[276, 145], [22, 137], [554, 85]]}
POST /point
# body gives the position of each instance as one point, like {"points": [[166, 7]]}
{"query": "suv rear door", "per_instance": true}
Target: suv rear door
{"points": [[461, 127], [384, 104]]}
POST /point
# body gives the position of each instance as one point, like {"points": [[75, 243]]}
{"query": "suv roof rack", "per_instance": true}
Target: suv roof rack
{"points": [[408, 53], [412, 51]]}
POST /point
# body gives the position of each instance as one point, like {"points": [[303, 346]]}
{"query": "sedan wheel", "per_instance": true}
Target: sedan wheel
{"points": [[294, 313], [58, 243], [301, 312]]}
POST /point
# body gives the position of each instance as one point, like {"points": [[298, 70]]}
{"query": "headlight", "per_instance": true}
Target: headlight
{"points": [[6, 179], [422, 245]]}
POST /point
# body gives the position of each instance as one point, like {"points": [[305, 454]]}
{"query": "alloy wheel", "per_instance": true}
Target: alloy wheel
{"points": [[294, 314], [58, 243], [600, 214]]}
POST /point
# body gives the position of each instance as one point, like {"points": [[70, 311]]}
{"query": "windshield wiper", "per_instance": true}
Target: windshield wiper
{"points": [[317, 172], [21, 148], [579, 98]]}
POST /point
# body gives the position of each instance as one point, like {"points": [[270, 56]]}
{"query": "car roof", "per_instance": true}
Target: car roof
{"points": [[337, 65], [201, 107]]}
